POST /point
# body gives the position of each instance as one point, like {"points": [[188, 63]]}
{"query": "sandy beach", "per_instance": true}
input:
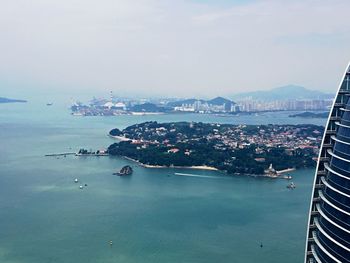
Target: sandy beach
{"points": [[198, 167], [120, 138], [209, 168]]}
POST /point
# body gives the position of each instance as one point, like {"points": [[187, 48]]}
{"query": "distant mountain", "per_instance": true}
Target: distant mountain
{"points": [[7, 100], [147, 107], [284, 93], [220, 101]]}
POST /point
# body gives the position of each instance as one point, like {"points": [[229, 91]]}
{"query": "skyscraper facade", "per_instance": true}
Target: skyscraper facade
{"points": [[328, 237]]}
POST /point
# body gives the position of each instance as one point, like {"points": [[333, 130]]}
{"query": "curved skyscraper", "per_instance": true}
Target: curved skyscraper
{"points": [[328, 238]]}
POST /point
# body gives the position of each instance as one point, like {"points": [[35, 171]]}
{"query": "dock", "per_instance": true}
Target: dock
{"points": [[77, 154], [91, 154], [60, 154]]}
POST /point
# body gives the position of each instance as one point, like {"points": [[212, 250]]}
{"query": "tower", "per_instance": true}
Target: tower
{"points": [[328, 235]]}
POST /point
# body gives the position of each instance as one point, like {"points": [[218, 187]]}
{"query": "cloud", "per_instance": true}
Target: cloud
{"points": [[182, 48]]}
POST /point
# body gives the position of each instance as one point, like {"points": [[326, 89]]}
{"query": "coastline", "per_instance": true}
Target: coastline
{"points": [[146, 113], [288, 170], [209, 168], [198, 167], [120, 138]]}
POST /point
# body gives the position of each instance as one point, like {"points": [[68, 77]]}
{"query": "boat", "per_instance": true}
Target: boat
{"points": [[126, 170], [49, 104], [291, 185]]}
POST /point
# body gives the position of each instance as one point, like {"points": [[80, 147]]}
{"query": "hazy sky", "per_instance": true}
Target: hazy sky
{"points": [[176, 48]]}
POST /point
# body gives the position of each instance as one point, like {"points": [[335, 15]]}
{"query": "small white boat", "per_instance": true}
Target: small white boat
{"points": [[76, 180], [81, 187]]}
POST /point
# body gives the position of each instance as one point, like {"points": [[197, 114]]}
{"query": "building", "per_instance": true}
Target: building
{"points": [[328, 235], [250, 105]]}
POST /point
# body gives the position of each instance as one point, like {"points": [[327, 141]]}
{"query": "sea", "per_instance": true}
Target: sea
{"points": [[155, 215]]}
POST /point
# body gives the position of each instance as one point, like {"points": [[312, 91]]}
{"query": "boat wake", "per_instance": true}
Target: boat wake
{"points": [[197, 175]]}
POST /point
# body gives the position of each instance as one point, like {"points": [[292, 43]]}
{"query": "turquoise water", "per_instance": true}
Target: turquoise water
{"points": [[152, 216]]}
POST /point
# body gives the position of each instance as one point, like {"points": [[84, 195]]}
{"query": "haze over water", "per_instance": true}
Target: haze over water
{"points": [[152, 216]]}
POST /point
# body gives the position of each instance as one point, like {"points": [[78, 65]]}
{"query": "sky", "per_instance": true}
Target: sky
{"points": [[181, 48]]}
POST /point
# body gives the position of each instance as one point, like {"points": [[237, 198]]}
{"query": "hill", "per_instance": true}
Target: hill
{"points": [[216, 101], [284, 93], [220, 101]]}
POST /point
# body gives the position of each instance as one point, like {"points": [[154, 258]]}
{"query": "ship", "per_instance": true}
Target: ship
{"points": [[126, 170]]}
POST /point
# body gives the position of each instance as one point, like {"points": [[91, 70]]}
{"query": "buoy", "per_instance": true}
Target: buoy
{"points": [[85, 184], [76, 180], [81, 187]]}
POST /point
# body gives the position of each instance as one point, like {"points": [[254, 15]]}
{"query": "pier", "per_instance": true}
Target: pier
{"points": [[76, 154], [92, 154], [61, 154]]}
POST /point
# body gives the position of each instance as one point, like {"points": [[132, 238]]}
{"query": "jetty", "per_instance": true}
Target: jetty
{"points": [[272, 173], [61, 154], [81, 152], [91, 154], [77, 154]]}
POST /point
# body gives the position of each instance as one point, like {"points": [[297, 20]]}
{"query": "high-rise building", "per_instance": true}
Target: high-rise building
{"points": [[328, 237]]}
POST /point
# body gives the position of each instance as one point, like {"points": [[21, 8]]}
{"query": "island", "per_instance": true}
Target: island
{"points": [[235, 149], [7, 100], [308, 114], [126, 170]]}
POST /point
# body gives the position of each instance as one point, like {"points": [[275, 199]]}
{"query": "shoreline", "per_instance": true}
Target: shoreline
{"points": [[120, 138], [137, 113], [198, 167], [287, 170], [208, 168]]}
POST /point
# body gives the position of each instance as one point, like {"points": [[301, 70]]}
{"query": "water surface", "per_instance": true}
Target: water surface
{"points": [[152, 216]]}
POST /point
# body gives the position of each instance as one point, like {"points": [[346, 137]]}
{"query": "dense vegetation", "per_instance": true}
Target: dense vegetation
{"points": [[195, 144], [239, 161], [115, 132]]}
